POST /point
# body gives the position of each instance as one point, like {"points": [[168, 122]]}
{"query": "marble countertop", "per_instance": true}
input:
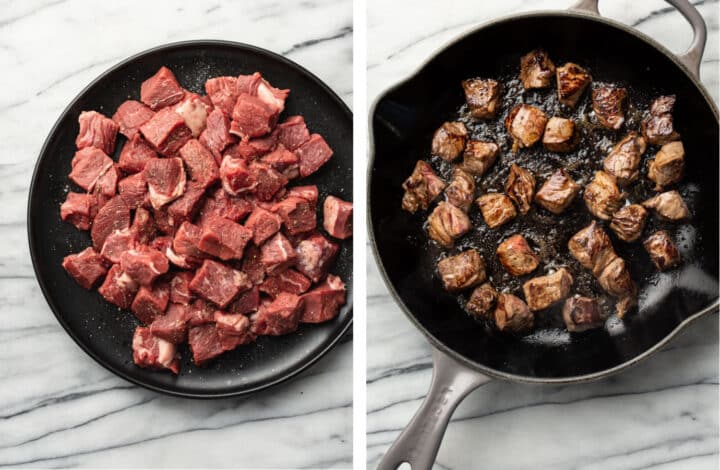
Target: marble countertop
{"points": [[660, 414], [58, 408]]}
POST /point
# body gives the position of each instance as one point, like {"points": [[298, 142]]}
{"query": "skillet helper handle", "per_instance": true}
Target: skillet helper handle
{"points": [[419, 442], [692, 57]]}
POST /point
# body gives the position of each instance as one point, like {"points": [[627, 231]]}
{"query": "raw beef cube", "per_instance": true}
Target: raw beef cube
{"points": [[130, 116], [337, 217], [309, 193], [96, 131], [297, 214], [252, 265], [232, 323], [248, 83], [187, 239], [163, 221], [133, 190], [323, 303], [287, 281], [117, 243], [251, 117], [284, 161], [242, 150], [273, 97], [152, 352], [315, 255], [216, 136], [268, 180], [182, 261], [151, 302], [114, 215], [247, 302], [160, 90], [279, 317], [235, 176], [172, 326], [218, 283], [144, 264], [221, 204], [86, 267], [194, 111], [200, 163], [186, 206], [180, 288], [161, 243], [264, 224], [204, 343], [313, 154], [77, 210], [263, 145], [224, 238], [230, 341], [135, 154], [143, 226], [166, 180], [88, 166], [166, 131], [118, 288], [223, 93], [293, 132], [277, 254], [106, 185], [200, 313]]}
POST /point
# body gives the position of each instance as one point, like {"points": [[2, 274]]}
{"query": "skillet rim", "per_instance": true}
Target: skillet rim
{"points": [[436, 343], [236, 391]]}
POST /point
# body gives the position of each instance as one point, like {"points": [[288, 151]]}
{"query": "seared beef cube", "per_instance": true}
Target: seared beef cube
{"points": [[560, 135], [526, 125], [449, 140], [235, 176], [264, 224], [200, 163], [582, 314], [297, 214], [162, 89], [315, 255], [283, 161], [277, 254], [616, 281], [313, 154], [279, 317], [86, 267], [77, 210], [118, 288], [421, 188], [133, 190], [269, 181], [216, 136], [218, 283], [572, 81], [668, 165], [608, 104], [251, 117], [114, 215], [151, 302], [166, 180], [657, 127], [173, 325], [287, 281], [135, 154], [118, 243], [96, 131], [89, 165], [512, 315], [496, 208], [144, 264], [483, 97], [479, 156], [323, 302], [194, 110], [629, 222], [205, 343], [293, 132], [186, 206], [624, 159], [461, 190], [462, 271], [516, 256], [558, 192], [592, 248], [447, 223], [187, 239], [180, 288], [544, 291], [668, 206], [130, 116], [520, 187], [152, 352], [482, 300], [338, 218], [662, 250], [602, 196], [310, 193], [166, 131], [246, 302], [224, 238], [252, 265], [536, 69], [223, 93]]}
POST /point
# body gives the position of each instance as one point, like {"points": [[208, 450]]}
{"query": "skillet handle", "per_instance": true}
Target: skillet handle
{"points": [[692, 57], [419, 442]]}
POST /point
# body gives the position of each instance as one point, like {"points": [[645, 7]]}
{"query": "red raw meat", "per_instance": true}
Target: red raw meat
{"points": [[224, 238], [264, 224], [297, 214], [130, 116], [337, 217], [144, 264], [216, 136], [252, 117], [218, 283], [263, 145], [315, 255], [162, 89], [232, 323], [235, 176], [194, 111], [223, 93], [252, 264], [200, 313], [88, 166], [117, 243], [204, 343], [114, 215], [151, 302], [293, 132], [133, 190], [246, 302], [77, 210], [96, 131], [287, 281], [273, 97], [180, 288], [323, 302], [86, 267], [309, 193], [166, 132], [268, 180], [221, 204], [135, 154], [118, 288], [248, 83], [186, 240], [143, 226], [152, 352], [284, 161], [166, 180], [230, 341], [277, 254], [279, 317], [186, 206], [172, 326], [200, 163], [313, 154]]}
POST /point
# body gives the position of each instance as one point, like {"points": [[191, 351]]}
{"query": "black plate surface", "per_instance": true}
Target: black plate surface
{"points": [[104, 331]]}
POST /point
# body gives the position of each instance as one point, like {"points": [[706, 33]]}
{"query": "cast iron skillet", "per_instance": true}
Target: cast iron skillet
{"points": [[465, 352], [104, 331]]}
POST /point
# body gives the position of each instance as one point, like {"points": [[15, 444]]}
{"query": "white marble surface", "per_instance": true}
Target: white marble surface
{"points": [[661, 414], [58, 407]]}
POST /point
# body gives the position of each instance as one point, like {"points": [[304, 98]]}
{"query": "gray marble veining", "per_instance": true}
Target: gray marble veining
{"points": [[660, 414]]}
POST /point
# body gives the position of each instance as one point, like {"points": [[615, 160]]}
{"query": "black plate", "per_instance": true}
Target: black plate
{"points": [[104, 331]]}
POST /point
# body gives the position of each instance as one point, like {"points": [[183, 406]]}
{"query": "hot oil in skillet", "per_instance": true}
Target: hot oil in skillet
{"points": [[547, 233]]}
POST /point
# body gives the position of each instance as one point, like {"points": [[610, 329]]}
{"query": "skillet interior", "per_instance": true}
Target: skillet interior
{"points": [[402, 125], [104, 331]]}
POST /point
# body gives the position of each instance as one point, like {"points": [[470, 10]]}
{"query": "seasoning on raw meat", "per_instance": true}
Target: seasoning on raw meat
{"points": [[289, 280], [144, 264], [77, 210], [200, 163], [166, 131], [279, 317], [293, 132], [315, 255], [323, 303], [166, 180], [86, 267], [337, 217], [263, 223], [152, 352], [216, 137], [224, 238], [160, 90], [96, 131], [118, 288], [297, 214], [135, 154], [277, 254], [218, 283], [89, 165], [172, 326], [313, 154], [114, 215], [151, 302], [130, 116]]}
